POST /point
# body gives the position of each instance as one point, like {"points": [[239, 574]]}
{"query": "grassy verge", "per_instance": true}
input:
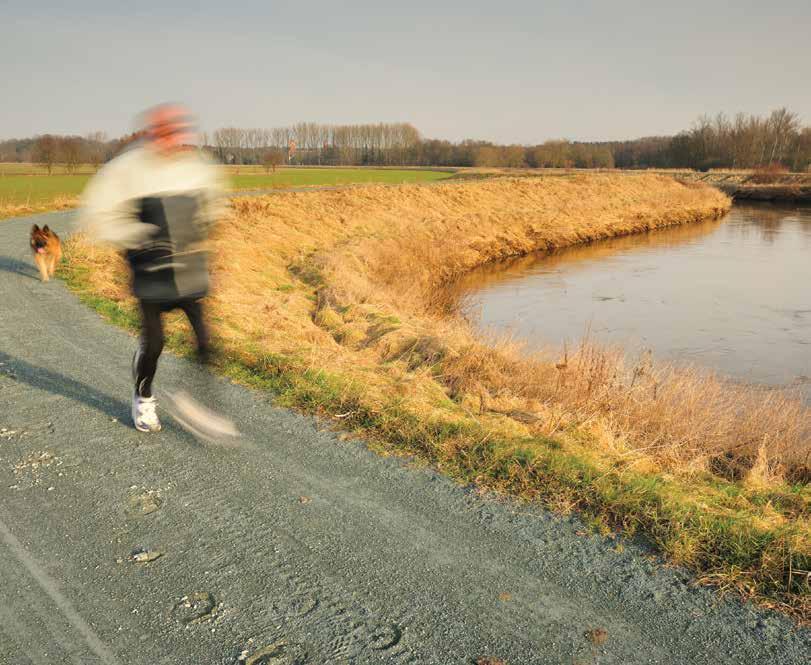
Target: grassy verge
{"points": [[329, 300]]}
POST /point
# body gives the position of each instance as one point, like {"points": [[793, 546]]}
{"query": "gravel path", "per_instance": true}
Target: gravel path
{"points": [[296, 545]]}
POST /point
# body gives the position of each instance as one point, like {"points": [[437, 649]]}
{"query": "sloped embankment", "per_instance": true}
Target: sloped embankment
{"points": [[335, 301], [754, 186]]}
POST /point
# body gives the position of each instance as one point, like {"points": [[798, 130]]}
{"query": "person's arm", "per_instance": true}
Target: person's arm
{"points": [[108, 209]]}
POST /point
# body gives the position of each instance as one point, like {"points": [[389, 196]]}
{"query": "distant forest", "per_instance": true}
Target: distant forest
{"points": [[743, 142]]}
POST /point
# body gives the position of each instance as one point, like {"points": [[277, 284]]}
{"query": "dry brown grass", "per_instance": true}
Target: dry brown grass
{"points": [[16, 209], [354, 281], [656, 417], [682, 419], [769, 174]]}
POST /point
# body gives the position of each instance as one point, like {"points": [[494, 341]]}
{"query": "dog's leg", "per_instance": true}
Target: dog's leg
{"points": [[51, 266], [42, 265]]}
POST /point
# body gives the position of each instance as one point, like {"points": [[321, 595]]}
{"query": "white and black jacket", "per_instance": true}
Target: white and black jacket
{"points": [[159, 210]]}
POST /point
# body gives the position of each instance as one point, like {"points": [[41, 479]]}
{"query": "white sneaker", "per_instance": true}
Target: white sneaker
{"points": [[144, 415]]}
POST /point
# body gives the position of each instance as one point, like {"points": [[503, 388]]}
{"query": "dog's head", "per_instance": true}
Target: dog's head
{"points": [[39, 238]]}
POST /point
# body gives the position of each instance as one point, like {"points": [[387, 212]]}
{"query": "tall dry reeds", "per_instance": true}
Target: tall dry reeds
{"points": [[685, 420], [682, 419]]}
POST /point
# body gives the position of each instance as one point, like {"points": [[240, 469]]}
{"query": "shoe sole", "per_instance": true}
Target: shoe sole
{"points": [[146, 429]]}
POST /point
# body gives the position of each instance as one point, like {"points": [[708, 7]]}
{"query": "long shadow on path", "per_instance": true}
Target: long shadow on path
{"points": [[59, 384], [12, 265]]}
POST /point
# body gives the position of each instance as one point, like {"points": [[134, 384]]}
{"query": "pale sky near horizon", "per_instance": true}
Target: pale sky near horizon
{"points": [[510, 71]]}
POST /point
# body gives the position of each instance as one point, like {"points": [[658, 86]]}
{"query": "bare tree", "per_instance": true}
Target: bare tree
{"points": [[95, 148], [45, 151], [230, 142], [71, 152], [783, 124], [273, 158]]}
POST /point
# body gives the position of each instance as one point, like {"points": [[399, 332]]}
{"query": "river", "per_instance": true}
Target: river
{"points": [[733, 295]]}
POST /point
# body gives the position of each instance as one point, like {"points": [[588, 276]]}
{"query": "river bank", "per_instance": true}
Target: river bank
{"points": [[335, 301], [749, 186], [739, 185]]}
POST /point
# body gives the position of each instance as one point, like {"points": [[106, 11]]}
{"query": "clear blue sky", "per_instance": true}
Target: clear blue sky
{"points": [[504, 70]]}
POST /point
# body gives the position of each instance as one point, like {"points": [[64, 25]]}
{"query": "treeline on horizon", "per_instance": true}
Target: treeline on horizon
{"points": [[743, 142]]}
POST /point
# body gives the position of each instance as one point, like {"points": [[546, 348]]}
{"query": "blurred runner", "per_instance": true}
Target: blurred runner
{"points": [[157, 201]]}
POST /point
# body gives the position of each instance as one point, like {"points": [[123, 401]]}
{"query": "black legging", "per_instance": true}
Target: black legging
{"points": [[152, 338]]}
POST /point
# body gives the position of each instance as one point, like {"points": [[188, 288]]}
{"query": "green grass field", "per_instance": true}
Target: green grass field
{"points": [[293, 177], [35, 190], [21, 194]]}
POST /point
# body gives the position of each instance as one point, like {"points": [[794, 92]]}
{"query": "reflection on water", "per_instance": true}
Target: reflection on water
{"points": [[733, 295]]}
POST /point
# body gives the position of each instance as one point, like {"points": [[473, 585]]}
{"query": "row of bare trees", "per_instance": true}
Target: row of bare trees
{"points": [[52, 150], [388, 145], [316, 144], [436, 152], [566, 154], [744, 141], [555, 154]]}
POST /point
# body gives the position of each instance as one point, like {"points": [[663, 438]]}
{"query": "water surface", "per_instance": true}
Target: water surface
{"points": [[733, 295]]}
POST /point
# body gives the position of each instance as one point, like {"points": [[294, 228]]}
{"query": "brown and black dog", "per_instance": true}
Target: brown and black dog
{"points": [[47, 250]]}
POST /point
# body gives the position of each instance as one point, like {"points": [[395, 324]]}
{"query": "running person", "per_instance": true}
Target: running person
{"points": [[156, 201]]}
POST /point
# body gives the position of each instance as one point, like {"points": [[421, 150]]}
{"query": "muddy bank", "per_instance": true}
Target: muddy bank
{"points": [[770, 193], [744, 186]]}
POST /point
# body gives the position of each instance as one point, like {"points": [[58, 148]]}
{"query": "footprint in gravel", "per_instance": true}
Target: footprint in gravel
{"points": [[280, 653], [385, 637], [195, 608], [302, 605], [143, 503]]}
